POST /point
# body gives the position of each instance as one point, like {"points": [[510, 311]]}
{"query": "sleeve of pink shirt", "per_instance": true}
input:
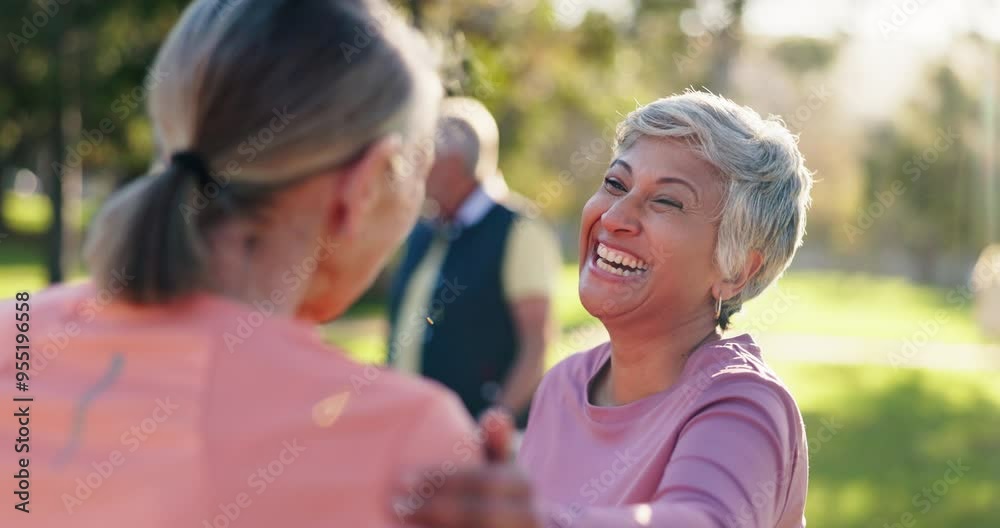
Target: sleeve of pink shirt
{"points": [[729, 469], [444, 417], [441, 440]]}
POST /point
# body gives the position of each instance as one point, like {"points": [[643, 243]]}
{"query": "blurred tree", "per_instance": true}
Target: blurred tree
{"points": [[803, 55], [557, 75], [924, 162], [73, 98]]}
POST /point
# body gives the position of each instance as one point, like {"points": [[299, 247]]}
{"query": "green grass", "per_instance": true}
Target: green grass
{"points": [[367, 348], [842, 304], [879, 436], [828, 303], [20, 268], [31, 214]]}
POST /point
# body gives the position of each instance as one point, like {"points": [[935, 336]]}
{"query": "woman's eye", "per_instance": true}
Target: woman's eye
{"points": [[670, 203], [614, 184]]}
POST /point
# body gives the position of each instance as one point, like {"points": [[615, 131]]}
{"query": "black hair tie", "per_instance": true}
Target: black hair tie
{"points": [[194, 163]]}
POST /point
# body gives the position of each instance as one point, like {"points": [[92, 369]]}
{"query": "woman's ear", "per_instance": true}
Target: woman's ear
{"points": [[356, 188], [751, 266]]}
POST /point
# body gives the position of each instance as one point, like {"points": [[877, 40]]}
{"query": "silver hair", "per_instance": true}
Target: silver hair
{"points": [[266, 92], [766, 181], [467, 128]]}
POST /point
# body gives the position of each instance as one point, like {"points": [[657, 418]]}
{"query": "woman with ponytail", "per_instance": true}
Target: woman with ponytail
{"points": [[183, 384]]}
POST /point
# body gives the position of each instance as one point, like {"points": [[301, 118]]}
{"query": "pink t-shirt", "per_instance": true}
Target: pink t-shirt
{"points": [[208, 413], [723, 447]]}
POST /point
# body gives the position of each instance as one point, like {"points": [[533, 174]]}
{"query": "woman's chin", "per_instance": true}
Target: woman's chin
{"points": [[602, 301]]}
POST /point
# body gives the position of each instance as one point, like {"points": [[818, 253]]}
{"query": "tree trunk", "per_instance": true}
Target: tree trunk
{"points": [[727, 49], [51, 172], [418, 14], [72, 174]]}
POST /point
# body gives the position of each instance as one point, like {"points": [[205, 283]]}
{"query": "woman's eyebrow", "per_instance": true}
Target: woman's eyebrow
{"points": [[663, 179], [670, 179], [619, 161]]}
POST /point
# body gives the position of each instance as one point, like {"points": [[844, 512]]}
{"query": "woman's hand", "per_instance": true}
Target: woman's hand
{"points": [[495, 495]]}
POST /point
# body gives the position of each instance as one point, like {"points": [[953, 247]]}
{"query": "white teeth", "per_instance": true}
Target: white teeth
{"points": [[609, 256], [609, 268], [616, 257]]}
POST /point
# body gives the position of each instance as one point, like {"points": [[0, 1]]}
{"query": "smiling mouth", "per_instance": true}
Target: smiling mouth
{"points": [[617, 262]]}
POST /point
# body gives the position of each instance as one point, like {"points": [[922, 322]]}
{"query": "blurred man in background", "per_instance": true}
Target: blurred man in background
{"points": [[471, 304]]}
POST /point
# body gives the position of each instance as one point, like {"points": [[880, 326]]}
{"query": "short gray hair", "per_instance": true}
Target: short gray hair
{"points": [[767, 182], [468, 128]]}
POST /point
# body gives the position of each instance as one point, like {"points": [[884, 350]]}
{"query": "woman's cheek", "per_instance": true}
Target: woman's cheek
{"points": [[594, 207], [592, 211]]}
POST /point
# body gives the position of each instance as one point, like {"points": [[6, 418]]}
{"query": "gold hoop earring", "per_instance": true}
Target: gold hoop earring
{"points": [[718, 307]]}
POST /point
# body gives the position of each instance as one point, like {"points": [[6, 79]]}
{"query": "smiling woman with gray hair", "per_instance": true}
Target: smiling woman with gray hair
{"points": [[669, 423]]}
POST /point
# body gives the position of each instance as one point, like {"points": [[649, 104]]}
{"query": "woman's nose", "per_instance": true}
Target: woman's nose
{"points": [[621, 217]]}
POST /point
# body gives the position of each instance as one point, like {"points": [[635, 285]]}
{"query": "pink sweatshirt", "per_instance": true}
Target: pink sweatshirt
{"points": [[206, 414], [724, 447]]}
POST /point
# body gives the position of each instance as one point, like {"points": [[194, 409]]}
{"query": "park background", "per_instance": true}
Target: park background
{"points": [[875, 325]]}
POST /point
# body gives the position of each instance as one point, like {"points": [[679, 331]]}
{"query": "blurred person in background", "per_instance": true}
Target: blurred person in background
{"points": [[184, 384], [669, 423], [985, 284], [471, 303]]}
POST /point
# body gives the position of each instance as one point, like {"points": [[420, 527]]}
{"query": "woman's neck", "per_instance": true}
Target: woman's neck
{"points": [[645, 363], [252, 264]]}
